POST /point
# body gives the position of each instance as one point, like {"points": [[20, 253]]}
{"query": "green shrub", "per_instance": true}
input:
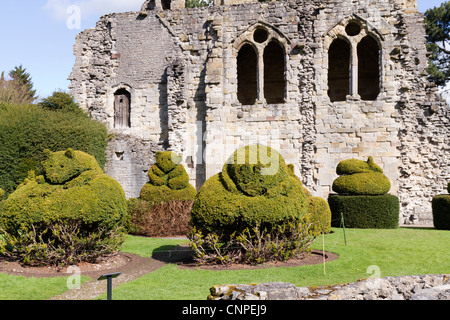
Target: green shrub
{"points": [[242, 197], [441, 211], [2, 194], [369, 183], [365, 211], [318, 209], [319, 214], [253, 193], [60, 101], [352, 166], [169, 180], [360, 178], [291, 239], [73, 190], [27, 130]]}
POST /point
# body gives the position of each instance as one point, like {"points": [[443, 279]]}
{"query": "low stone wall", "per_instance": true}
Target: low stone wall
{"points": [[423, 287]]}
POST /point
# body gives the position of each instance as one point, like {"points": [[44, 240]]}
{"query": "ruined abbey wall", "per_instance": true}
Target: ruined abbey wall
{"points": [[203, 82]]}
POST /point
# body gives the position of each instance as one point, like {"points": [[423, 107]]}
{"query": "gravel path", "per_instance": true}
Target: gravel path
{"points": [[92, 289]]}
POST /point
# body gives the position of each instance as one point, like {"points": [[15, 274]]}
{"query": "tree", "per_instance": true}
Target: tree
{"points": [[13, 92], [21, 75], [438, 43], [60, 101]]}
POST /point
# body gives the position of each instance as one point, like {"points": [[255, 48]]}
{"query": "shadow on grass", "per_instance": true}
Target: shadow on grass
{"points": [[181, 254]]}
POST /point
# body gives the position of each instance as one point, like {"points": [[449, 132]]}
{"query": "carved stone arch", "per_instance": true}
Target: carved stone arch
{"points": [[339, 28], [272, 33], [353, 30], [261, 36]]}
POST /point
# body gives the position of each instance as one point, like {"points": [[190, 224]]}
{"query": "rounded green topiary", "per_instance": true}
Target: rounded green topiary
{"points": [[370, 183], [73, 188], [362, 198], [319, 214], [318, 209], [253, 189], [352, 166], [441, 211], [169, 180], [360, 178]]}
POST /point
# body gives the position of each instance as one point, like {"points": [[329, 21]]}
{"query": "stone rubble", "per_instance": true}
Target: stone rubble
{"points": [[422, 287]]}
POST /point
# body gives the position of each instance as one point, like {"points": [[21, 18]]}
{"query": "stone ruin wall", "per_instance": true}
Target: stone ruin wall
{"points": [[181, 71]]}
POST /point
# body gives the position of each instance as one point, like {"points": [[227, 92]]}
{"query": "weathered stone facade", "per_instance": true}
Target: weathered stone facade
{"points": [[320, 81]]}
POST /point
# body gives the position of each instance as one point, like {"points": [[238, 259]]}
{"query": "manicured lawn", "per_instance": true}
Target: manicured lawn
{"points": [[403, 251], [21, 288]]}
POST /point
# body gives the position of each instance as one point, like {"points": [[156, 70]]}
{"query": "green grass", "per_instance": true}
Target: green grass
{"points": [[403, 251], [22, 288]]}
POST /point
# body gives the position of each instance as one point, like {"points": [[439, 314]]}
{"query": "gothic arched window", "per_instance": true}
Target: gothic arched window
{"points": [[339, 70], [354, 65], [247, 61], [274, 65], [368, 68], [261, 64]]}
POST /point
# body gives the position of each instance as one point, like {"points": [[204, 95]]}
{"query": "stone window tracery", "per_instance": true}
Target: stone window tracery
{"points": [[353, 62], [261, 64]]}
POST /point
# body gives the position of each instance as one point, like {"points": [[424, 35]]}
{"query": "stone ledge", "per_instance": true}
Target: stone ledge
{"points": [[423, 287]]}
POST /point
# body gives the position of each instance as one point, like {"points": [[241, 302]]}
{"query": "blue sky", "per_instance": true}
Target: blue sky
{"points": [[40, 34]]}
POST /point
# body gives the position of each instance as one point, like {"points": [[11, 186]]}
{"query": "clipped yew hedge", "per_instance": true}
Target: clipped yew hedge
{"points": [[364, 211], [362, 197], [441, 210]]}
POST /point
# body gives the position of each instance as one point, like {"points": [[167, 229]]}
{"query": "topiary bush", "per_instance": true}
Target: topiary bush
{"points": [[441, 210], [253, 203], [319, 214], [169, 180], [27, 130], [360, 178], [365, 212], [362, 198], [318, 209], [54, 217]]}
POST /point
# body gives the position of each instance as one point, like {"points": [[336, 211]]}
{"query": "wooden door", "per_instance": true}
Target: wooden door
{"points": [[122, 103]]}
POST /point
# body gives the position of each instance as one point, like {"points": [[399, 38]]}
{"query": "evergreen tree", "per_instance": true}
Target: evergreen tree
{"points": [[21, 76], [13, 92], [60, 101], [438, 38]]}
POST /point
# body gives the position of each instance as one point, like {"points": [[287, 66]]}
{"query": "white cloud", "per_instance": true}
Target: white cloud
{"points": [[58, 9], [445, 91]]}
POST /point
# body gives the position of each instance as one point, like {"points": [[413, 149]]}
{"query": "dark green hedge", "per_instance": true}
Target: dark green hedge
{"points": [[27, 130], [441, 211], [365, 212]]}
